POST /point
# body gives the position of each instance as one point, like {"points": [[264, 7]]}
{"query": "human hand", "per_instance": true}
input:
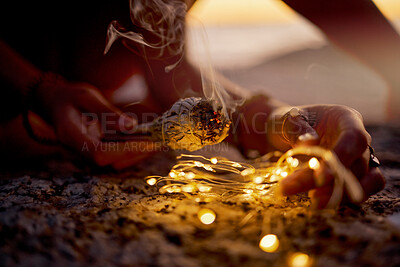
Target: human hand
{"points": [[337, 128], [80, 116]]}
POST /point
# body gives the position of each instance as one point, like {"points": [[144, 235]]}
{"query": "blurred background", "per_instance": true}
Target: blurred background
{"points": [[265, 46]]}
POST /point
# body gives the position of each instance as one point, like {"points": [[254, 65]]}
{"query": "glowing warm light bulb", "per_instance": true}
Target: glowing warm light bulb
{"points": [[189, 188], [247, 171], [273, 178], [284, 174], [295, 163], [248, 191], [214, 160], [172, 174], [269, 243], [151, 181], [313, 163], [299, 259], [258, 180], [198, 164], [204, 188], [206, 216], [190, 175]]}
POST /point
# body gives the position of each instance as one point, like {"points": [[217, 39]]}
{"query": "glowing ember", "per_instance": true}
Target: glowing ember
{"points": [[206, 216], [269, 243], [299, 259]]}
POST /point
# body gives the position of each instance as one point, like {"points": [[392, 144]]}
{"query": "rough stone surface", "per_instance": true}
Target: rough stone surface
{"points": [[66, 217]]}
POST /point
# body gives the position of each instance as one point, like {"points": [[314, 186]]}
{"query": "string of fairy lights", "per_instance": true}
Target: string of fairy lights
{"points": [[211, 179]]}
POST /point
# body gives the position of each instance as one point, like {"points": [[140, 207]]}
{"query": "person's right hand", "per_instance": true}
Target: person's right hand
{"points": [[334, 127], [80, 116]]}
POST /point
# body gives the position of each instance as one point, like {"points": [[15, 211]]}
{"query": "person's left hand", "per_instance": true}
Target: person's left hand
{"points": [[335, 127]]}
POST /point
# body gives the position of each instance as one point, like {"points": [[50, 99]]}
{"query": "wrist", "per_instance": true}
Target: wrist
{"points": [[250, 125]]}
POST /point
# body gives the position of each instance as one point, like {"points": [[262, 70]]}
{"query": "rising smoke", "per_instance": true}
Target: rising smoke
{"points": [[164, 21]]}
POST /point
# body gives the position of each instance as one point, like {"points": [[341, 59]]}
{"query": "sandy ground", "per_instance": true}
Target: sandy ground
{"points": [[54, 217]]}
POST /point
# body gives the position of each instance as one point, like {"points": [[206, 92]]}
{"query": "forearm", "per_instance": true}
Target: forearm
{"points": [[359, 28], [251, 124], [19, 73]]}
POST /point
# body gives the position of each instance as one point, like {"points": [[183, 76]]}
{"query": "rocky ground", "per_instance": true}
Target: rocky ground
{"points": [[62, 216]]}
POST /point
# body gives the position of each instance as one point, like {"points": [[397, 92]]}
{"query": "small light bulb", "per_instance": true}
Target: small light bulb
{"points": [[284, 174], [204, 188], [198, 164], [248, 191], [214, 160], [188, 188], [299, 259], [247, 171], [273, 178], [294, 163], [206, 216], [269, 243], [172, 174], [190, 175], [237, 165], [313, 163], [151, 181], [258, 180]]}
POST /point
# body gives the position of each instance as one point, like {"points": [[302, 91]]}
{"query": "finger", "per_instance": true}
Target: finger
{"points": [[299, 181], [351, 145], [323, 175], [360, 166], [95, 105], [320, 196], [373, 182], [297, 131], [74, 134]]}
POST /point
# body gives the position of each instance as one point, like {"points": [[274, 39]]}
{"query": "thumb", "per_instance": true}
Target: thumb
{"points": [[296, 129]]}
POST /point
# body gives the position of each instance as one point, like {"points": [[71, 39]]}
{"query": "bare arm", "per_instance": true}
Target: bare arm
{"points": [[360, 29]]}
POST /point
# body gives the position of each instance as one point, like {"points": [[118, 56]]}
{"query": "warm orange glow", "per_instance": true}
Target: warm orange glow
{"points": [[151, 181], [269, 243], [219, 12], [299, 260], [313, 163], [206, 216], [216, 12]]}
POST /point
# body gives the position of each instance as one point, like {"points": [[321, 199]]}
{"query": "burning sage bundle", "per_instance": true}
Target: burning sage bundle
{"points": [[190, 124]]}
